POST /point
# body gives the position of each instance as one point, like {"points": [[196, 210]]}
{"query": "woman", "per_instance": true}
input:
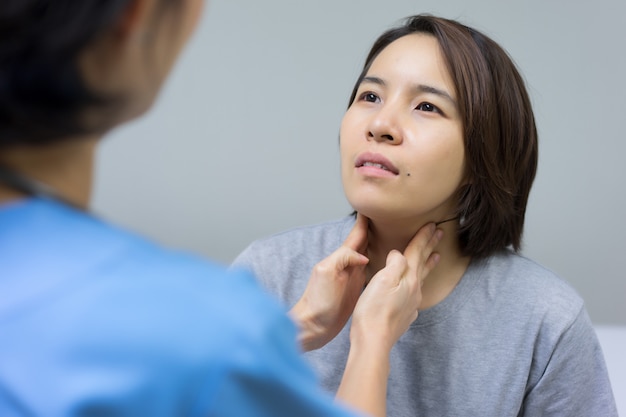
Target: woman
{"points": [[97, 321], [440, 129]]}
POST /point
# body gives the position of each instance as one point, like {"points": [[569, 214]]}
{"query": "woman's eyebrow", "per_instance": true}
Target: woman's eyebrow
{"points": [[422, 88], [417, 88], [373, 80]]}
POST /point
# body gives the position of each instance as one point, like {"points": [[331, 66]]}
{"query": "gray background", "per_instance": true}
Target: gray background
{"points": [[243, 140]]}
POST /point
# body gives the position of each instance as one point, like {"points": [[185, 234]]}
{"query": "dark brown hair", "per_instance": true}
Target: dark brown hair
{"points": [[499, 131]]}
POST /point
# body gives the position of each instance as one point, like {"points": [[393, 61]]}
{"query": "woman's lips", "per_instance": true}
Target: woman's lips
{"points": [[372, 162]]}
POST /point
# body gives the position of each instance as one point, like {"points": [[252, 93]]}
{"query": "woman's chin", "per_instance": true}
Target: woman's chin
{"points": [[376, 213]]}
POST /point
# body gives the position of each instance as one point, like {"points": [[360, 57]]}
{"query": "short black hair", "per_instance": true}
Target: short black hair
{"points": [[41, 90]]}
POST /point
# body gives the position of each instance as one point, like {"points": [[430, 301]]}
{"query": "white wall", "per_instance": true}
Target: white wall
{"points": [[243, 141]]}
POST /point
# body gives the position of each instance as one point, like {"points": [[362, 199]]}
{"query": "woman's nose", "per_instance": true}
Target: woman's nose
{"points": [[384, 127]]}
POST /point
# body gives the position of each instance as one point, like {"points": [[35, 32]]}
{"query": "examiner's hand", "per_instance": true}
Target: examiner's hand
{"points": [[391, 299], [333, 290]]}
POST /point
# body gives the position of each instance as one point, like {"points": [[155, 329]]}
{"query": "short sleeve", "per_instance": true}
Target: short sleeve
{"points": [[575, 381]]}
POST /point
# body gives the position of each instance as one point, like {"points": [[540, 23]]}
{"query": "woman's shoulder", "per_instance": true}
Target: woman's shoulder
{"points": [[335, 229], [314, 240], [282, 262], [531, 285]]}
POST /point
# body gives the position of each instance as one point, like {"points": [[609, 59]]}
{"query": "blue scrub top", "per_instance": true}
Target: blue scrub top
{"points": [[95, 321]]}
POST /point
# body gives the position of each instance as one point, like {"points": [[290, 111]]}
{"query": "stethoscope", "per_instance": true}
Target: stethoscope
{"points": [[31, 187]]}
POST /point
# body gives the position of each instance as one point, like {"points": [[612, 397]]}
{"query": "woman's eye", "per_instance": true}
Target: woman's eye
{"points": [[427, 107], [370, 97]]}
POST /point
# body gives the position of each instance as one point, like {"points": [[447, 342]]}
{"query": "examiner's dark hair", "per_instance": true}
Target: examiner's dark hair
{"points": [[500, 134], [41, 91]]}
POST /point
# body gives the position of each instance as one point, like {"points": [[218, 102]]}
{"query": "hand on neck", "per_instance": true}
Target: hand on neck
{"points": [[386, 236]]}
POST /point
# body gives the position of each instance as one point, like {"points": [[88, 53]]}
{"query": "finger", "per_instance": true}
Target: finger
{"points": [[357, 238], [395, 261], [421, 246], [431, 262], [341, 259], [395, 268]]}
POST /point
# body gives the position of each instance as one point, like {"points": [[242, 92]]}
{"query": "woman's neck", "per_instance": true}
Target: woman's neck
{"points": [[65, 166], [396, 235]]}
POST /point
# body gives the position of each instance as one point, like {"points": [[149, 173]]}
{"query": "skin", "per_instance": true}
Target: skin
{"points": [[132, 60], [419, 132], [405, 111]]}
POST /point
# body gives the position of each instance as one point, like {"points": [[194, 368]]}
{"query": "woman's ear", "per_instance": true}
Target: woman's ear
{"points": [[134, 19]]}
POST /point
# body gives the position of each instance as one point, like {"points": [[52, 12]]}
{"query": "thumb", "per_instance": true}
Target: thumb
{"points": [[342, 259], [351, 258]]}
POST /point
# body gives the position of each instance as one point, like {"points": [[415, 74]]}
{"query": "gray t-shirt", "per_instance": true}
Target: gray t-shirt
{"points": [[512, 339]]}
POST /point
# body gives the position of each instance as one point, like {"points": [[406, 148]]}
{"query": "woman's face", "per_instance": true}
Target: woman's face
{"points": [[402, 150]]}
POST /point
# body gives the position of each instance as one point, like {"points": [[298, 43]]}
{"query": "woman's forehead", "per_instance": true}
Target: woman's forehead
{"points": [[414, 59]]}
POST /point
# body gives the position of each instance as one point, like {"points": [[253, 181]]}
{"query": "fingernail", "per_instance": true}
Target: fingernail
{"points": [[439, 234]]}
